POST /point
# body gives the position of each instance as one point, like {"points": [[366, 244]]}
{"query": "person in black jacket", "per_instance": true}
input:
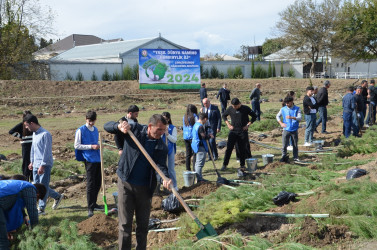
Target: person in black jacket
{"points": [[213, 124], [131, 117], [224, 95], [357, 115], [136, 178], [239, 115], [255, 100], [323, 101], [203, 93], [26, 137], [310, 110]]}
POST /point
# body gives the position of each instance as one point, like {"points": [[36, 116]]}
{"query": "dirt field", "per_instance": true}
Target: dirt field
{"points": [[70, 100]]}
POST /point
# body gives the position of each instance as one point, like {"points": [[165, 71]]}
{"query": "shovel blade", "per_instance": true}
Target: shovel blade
{"points": [[207, 231], [222, 180], [105, 205]]}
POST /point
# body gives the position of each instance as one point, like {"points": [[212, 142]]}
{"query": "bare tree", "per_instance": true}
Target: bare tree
{"points": [[307, 26]]}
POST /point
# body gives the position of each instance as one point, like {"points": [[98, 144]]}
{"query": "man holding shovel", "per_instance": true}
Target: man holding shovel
{"points": [[87, 150], [136, 178]]}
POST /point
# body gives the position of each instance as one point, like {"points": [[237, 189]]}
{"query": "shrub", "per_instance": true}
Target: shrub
{"points": [[127, 73], [221, 75], [205, 74], [230, 72], [269, 69], [260, 72], [291, 73], [273, 70], [68, 76], [106, 76], [116, 76], [94, 76], [238, 72], [135, 72], [214, 72], [281, 70], [252, 69], [79, 76]]}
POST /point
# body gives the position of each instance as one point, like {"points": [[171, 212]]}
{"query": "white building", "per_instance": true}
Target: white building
{"points": [[110, 56]]}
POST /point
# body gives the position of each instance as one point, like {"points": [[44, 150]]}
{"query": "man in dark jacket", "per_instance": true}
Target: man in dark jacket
{"points": [[323, 101], [357, 116], [224, 95], [255, 100], [203, 92], [364, 95], [136, 178], [214, 124], [239, 115], [372, 96], [131, 117], [348, 105]]}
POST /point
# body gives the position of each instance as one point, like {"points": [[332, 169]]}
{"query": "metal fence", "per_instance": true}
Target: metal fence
{"points": [[354, 75]]}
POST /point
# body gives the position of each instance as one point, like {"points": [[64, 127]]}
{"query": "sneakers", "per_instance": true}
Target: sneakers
{"points": [[290, 148], [90, 213], [98, 208], [325, 132], [57, 202], [307, 144], [41, 211], [296, 160], [223, 168], [285, 159]]}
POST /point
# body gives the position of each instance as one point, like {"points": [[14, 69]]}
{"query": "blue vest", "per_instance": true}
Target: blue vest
{"points": [[171, 146], [14, 217], [292, 124], [187, 130], [195, 138], [88, 138]]}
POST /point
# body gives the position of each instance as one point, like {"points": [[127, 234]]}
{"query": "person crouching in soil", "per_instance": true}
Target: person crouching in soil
{"points": [[291, 117]]}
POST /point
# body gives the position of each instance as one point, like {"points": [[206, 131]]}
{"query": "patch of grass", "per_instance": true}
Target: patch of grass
{"points": [[264, 125], [365, 145]]}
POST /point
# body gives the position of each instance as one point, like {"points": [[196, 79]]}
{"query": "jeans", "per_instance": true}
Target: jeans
{"points": [[357, 122], [287, 137], [255, 106], [371, 118], [171, 168], [200, 161], [133, 199], [45, 180], [310, 127], [347, 124], [322, 118], [93, 182]]}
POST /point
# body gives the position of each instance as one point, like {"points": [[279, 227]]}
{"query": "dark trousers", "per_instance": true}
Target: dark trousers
{"points": [[93, 182], [26, 147], [212, 144], [189, 153], [133, 199], [241, 138], [322, 118], [223, 106], [255, 106], [248, 151], [287, 138]]}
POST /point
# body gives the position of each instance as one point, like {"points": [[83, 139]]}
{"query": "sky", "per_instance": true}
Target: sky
{"points": [[220, 26]]}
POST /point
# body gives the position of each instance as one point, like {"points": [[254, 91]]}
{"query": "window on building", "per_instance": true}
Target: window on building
{"points": [[337, 65], [342, 65]]}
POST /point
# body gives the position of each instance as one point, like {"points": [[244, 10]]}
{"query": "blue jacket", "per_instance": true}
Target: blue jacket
{"points": [[172, 147], [187, 130], [292, 124], [88, 138], [14, 217], [196, 141], [348, 103]]}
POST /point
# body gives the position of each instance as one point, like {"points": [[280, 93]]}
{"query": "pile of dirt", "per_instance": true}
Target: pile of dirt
{"points": [[156, 202], [198, 190], [161, 239], [313, 235], [102, 229]]}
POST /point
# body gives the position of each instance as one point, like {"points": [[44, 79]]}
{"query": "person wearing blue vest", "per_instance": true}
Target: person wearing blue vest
{"points": [[87, 150], [291, 117], [15, 195], [189, 120], [170, 137], [199, 144], [41, 160]]}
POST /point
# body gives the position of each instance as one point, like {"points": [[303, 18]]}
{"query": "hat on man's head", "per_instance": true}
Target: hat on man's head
{"points": [[133, 108]]}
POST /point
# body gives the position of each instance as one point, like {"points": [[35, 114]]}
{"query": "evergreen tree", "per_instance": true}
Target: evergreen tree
{"points": [[269, 74], [273, 70], [281, 70], [252, 69]]}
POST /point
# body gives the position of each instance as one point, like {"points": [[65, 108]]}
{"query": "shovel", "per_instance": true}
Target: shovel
{"points": [[205, 230], [103, 175], [220, 180]]}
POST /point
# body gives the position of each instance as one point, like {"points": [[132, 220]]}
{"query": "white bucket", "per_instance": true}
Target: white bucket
{"points": [[252, 164], [189, 178], [267, 158]]}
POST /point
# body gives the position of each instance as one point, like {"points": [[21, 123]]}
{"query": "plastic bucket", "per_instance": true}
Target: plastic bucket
{"points": [[251, 164], [267, 158], [318, 144], [189, 178], [115, 195]]}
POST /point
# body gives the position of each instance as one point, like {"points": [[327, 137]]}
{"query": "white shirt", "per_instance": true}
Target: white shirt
{"points": [[314, 102], [78, 144]]}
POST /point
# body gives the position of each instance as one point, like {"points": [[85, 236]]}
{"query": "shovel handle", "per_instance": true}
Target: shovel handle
{"points": [[102, 172], [158, 170], [210, 154]]}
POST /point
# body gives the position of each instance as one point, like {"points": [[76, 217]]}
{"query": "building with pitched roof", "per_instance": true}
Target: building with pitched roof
{"points": [[109, 56]]}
